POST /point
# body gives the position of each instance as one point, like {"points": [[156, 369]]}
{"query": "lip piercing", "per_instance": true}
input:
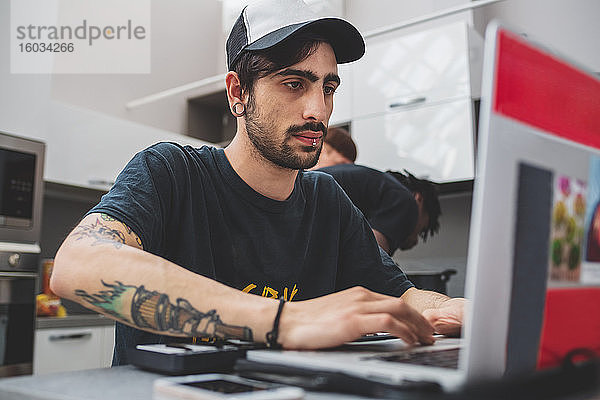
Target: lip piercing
{"points": [[314, 142]]}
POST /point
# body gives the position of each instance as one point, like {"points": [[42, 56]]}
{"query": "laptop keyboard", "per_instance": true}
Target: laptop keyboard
{"points": [[447, 358]]}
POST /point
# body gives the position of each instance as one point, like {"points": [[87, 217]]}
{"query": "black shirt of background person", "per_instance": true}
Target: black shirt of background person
{"points": [[389, 206]]}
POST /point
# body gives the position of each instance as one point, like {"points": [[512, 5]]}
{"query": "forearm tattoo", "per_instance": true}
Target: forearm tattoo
{"points": [[153, 310]]}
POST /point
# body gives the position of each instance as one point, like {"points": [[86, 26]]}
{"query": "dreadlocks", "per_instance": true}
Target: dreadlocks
{"points": [[429, 192]]}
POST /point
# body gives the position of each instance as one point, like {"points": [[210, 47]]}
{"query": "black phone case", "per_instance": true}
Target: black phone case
{"points": [[219, 360]]}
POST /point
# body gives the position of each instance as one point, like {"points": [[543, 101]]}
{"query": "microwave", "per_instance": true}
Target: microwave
{"points": [[21, 189]]}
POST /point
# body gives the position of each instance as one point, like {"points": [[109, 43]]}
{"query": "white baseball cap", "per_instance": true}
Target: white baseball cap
{"points": [[263, 24]]}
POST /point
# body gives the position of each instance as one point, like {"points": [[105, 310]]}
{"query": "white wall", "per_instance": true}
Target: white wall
{"points": [[368, 15], [23, 97], [571, 27], [185, 43]]}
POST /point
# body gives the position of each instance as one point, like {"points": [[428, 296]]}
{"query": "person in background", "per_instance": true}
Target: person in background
{"points": [[338, 148], [399, 207], [426, 196], [399, 210], [209, 242]]}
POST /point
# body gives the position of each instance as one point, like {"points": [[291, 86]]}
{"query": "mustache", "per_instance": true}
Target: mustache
{"points": [[309, 126]]}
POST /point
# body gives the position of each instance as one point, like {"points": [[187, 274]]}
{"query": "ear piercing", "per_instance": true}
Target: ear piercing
{"points": [[236, 111]]}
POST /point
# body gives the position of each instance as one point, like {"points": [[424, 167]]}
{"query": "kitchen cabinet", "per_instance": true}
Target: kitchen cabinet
{"points": [[412, 103], [88, 149], [72, 349], [431, 140], [434, 65]]}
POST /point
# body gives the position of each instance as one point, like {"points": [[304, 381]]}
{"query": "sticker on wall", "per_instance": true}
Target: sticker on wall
{"points": [[590, 270], [567, 229]]}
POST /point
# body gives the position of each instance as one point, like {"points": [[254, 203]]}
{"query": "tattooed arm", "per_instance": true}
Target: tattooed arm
{"points": [[102, 265]]}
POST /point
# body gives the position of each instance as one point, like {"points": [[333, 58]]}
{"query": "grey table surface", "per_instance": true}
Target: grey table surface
{"points": [[118, 383]]}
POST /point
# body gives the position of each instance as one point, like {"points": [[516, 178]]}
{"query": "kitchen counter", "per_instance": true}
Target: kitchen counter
{"points": [[118, 383], [73, 321]]}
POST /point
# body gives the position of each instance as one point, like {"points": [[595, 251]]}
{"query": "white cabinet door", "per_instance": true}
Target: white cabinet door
{"points": [[342, 100], [108, 345], [422, 67], [434, 141], [72, 349], [89, 149]]}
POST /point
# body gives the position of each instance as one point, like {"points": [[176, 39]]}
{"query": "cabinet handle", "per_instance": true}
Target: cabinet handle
{"points": [[72, 336], [407, 102], [18, 274]]}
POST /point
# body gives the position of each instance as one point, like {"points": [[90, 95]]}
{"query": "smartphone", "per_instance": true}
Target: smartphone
{"points": [[221, 386]]}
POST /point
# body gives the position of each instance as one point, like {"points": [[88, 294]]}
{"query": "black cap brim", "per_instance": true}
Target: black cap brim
{"points": [[347, 43]]}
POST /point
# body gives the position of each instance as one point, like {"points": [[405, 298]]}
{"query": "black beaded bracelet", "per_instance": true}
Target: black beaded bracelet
{"points": [[274, 334]]}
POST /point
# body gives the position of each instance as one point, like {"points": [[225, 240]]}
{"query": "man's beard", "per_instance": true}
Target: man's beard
{"points": [[265, 141]]}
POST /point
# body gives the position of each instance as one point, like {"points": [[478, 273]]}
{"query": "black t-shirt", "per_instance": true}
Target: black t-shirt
{"points": [[190, 207], [388, 205]]}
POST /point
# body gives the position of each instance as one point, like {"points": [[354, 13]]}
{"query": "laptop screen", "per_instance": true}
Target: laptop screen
{"points": [[540, 134]]}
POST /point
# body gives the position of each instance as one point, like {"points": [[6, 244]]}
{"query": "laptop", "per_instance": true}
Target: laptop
{"points": [[538, 144]]}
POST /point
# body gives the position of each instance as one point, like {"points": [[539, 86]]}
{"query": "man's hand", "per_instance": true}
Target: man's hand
{"points": [[447, 318], [340, 317], [443, 312]]}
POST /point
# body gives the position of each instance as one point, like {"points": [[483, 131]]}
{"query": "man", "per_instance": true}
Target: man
{"points": [[338, 148], [399, 207], [186, 238]]}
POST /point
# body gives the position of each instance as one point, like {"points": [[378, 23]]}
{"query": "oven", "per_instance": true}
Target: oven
{"points": [[21, 186], [17, 322]]}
